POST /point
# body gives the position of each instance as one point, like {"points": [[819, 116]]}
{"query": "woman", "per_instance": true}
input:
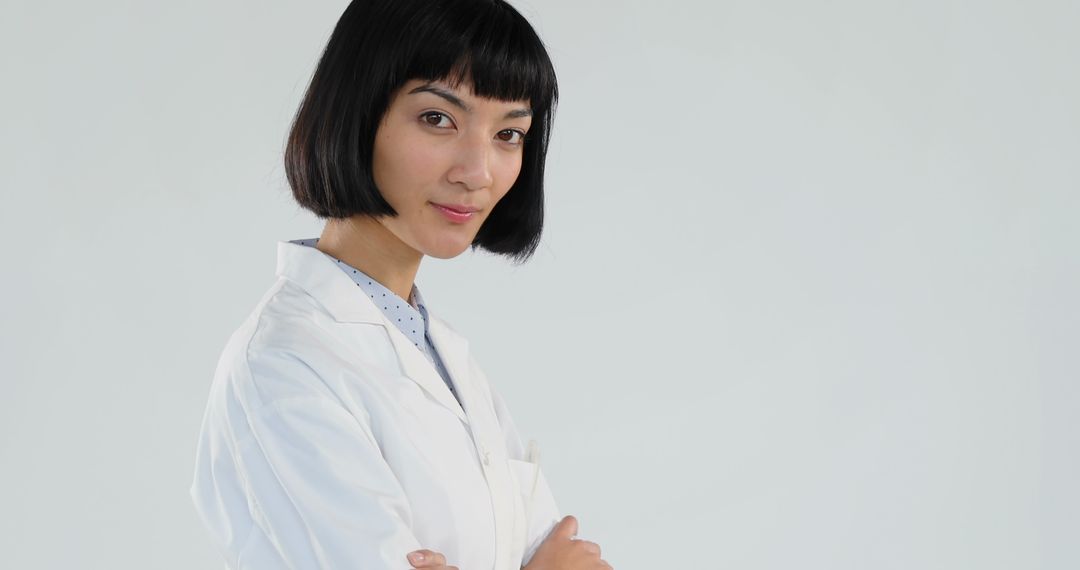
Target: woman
{"points": [[347, 426]]}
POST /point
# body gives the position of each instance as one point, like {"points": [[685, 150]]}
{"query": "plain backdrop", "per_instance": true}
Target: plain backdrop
{"points": [[806, 297]]}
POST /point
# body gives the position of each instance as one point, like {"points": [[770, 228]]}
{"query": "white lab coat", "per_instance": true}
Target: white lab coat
{"points": [[330, 441]]}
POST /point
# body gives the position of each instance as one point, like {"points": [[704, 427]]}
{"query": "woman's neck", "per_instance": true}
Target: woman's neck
{"points": [[364, 243]]}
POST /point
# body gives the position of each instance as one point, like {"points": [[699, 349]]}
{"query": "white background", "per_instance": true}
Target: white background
{"points": [[807, 295]]}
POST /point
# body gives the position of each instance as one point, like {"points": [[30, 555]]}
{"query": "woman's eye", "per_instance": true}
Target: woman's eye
{"points": [[442, 121], [434, 119], [510, 134]]}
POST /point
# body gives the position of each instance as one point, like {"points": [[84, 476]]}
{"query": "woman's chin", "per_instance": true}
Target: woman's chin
{"points": [[447, 250]]}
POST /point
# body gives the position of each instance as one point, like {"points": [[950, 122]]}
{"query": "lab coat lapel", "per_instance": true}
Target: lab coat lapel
{"points": [[453, 349], [317, 274], [417, 367]]}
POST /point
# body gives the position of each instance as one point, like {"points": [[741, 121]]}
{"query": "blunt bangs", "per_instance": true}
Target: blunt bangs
{"points": [[376, 47], [487, 43]]}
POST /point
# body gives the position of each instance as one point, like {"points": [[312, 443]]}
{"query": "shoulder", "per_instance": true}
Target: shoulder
{"points": [[282, 350], [290, 350]]}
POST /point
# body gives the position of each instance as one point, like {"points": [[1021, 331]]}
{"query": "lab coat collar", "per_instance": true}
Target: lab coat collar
{"points": [[316, 273]]}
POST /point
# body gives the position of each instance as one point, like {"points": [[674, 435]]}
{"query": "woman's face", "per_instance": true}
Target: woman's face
{"points": [[442, 159]]}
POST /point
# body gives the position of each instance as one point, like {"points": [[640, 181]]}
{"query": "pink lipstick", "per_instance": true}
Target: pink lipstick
{"points": [[455, 212]]}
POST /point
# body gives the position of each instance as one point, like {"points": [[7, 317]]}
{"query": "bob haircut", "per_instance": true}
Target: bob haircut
{"points": [[376, 47]]}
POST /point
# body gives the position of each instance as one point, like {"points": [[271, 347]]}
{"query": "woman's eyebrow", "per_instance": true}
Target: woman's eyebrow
{"points": [[457, 102]]}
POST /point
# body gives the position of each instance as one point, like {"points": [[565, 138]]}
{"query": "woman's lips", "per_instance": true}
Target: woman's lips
{"points": [[457, 214]]}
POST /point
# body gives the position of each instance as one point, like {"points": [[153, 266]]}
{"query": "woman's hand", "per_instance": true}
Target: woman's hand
{"points": [[560, 551], [429, 559]]}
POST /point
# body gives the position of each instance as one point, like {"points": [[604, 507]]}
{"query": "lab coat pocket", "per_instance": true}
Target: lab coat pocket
{"points": [[541, 512]]}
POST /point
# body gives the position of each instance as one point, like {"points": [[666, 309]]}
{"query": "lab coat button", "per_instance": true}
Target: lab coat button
{"points": [[486, 454]]}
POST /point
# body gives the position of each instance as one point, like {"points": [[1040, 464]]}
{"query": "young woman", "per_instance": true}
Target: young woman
{"points": [[347, 426]]}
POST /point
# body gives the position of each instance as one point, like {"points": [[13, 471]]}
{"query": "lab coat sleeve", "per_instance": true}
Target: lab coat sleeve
{"points": [[543, 512], [320, 491]]}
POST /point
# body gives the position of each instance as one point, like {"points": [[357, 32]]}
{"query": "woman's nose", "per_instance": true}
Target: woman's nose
{"points": [[472, 166]]}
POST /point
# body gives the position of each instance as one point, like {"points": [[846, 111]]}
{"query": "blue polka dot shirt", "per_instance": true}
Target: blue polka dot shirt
{"points": [[411, 316]]}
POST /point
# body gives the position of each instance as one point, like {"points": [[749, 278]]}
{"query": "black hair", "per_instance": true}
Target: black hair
{"points": [[378, 45]]}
